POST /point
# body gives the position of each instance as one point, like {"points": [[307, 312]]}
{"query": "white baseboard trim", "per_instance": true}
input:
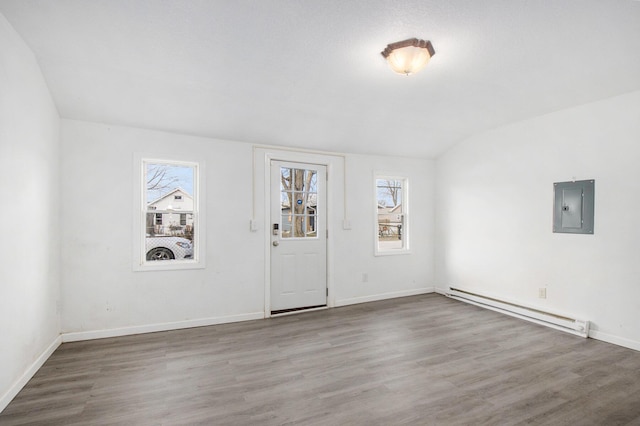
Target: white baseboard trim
{"points": [[442, 291], [616, 340], [152, 328], [31, 371], [383, 296]]}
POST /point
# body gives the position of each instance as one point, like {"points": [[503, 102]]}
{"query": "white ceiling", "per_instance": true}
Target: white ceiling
{"points": [[308, 73]]}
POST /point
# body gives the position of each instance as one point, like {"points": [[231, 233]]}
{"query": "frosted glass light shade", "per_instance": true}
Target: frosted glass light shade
{"points": [[408, 56]]}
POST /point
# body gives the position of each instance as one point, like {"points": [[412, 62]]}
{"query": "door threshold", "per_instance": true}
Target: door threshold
{"points": [[284, 312]]}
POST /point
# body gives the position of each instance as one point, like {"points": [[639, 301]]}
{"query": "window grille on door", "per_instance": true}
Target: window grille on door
{"points": [[298, 203]]}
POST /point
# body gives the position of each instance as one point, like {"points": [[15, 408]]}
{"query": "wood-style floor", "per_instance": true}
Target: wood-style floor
{"points": [[423, 360]]}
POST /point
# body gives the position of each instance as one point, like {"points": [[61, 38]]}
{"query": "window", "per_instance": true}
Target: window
{"points": [[169, 225], [298, 202], [391, 215]]}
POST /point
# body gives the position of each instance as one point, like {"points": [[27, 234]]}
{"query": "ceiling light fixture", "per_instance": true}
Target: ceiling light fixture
{"points": [[408, 56]]}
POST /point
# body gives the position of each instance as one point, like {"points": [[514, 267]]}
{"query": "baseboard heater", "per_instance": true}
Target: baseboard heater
{"points": [[559, 322]]}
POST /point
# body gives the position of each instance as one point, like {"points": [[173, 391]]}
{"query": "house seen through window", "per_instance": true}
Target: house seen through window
{"points": [[391, 224], [170, 211]]}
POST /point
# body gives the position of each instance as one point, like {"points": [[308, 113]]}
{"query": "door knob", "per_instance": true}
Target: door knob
{"points": [[276, 244]]}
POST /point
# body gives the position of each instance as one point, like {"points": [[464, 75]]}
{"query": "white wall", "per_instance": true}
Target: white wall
{"points": [[494, 215], [29, 178], [100, 289], [402, 274], [102, 294]]}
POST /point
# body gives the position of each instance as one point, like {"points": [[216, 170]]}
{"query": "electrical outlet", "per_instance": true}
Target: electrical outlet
{"points": [[542, 292]]}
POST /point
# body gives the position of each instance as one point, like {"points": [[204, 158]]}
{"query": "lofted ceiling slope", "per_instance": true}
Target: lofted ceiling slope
{"points": [[309, 74]]}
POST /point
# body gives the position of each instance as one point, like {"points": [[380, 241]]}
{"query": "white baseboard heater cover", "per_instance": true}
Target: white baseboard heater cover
{"points": [[559, 322]]}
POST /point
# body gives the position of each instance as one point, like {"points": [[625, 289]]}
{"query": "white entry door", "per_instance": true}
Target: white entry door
{"points": [[298, 236]]}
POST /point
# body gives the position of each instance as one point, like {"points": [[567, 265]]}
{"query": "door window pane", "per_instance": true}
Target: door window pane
{"points": [[298, 202]]}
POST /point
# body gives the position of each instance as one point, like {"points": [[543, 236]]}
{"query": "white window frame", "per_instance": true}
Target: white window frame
{"points": [[140, 262], [406, 226]]}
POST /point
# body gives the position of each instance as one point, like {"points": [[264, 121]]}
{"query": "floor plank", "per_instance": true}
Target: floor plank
{"points": [[421, 360]]}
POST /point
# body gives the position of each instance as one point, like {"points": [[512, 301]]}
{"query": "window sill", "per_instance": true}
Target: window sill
{"points": [[168, 265], [392, 252]]}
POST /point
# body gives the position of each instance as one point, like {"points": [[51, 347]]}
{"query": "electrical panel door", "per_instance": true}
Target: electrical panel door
{"points": [[573, 207]]}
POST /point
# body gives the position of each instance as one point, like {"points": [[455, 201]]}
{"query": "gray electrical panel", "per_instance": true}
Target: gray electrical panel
{"points": [[573, 207]]}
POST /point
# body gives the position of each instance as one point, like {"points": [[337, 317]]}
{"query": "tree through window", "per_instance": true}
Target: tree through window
{"points": [[298, 202], [391, 226]]}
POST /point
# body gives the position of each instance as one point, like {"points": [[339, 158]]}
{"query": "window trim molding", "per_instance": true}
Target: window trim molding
{"points": [[139, 262], [406, 249]]}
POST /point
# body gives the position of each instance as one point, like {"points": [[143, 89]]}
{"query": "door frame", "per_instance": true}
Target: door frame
{"points": [[262, 159]]}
